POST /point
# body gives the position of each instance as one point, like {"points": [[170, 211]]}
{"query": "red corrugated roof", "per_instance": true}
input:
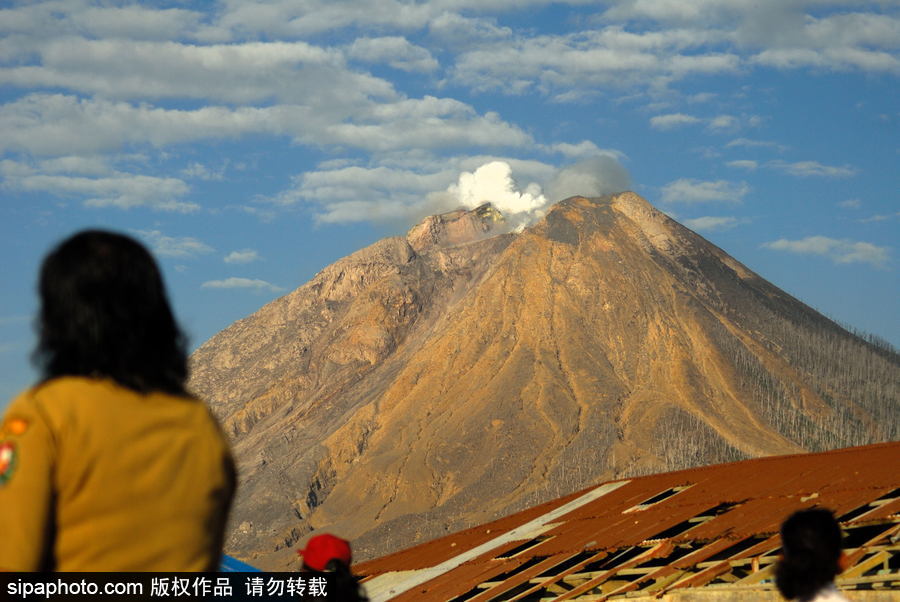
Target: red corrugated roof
{"points": [[732, 509]]}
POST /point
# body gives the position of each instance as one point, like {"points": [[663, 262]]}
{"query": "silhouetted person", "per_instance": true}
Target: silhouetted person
{"points": [[108, 464], [326, 553], [811, 557]]}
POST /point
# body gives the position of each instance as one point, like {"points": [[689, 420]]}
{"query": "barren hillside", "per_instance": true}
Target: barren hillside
{"points": [[434, 381]]}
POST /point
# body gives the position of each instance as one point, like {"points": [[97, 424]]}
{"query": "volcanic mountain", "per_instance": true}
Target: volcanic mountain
{"points": [[442, 379]]}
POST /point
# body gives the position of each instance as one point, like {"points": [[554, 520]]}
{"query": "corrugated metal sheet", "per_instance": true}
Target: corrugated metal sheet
{"points": [[688, 528]]}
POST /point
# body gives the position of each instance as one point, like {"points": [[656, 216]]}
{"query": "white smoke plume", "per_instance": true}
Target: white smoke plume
{"points": [[493, 182]]}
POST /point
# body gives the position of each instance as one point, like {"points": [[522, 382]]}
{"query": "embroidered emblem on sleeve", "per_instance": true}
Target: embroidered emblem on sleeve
{"points": [[15, 425], [7, 461]]}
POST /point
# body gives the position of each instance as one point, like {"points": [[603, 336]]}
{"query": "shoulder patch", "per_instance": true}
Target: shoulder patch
{"points": [[15, 425], [7, 461]]}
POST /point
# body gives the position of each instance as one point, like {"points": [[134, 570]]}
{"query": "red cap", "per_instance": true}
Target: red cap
{"points": [[322, 549]]}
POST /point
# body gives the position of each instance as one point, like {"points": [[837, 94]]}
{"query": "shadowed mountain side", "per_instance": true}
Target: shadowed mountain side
{"points": [[426, 384]]}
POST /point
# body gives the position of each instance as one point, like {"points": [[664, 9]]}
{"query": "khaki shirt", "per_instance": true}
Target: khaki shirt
{"points": [[97, 477]]}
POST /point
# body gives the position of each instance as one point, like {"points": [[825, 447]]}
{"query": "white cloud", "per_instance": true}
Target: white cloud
{"points": [[844, 42], [173, 246], [711, 223], [61, 125], [85, 165], [801, 169], [352, 193], [788, 35], [355, 182], [880, 218], [583, 149], [687, 190], [379, 210], [850, 204], [667, 41], [292, 19], [427, 123], [672, 120], [234, 282], [56, 124], [242, 256], [134, 22], [395, 51], [843, 59], [293, 72], [595, 176], [130, 52], [703, 11], [47, 20], [609, 57], [204, 172], [701, 97], [110, 189], [743, 164], [849, 41], [813, 168], [723, 122], [460, 32], [854, 29], [749, 143], [717, 124], [838, 250]]}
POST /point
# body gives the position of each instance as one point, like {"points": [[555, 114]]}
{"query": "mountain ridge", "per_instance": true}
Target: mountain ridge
{"points": [[446, 377]]}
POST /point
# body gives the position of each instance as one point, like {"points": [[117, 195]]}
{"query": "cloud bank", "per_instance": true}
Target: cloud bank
{"points": [[174, 246], [245, 283], [838, 250], [339, 193], [688, 190], [242, 256], [711, 223]]}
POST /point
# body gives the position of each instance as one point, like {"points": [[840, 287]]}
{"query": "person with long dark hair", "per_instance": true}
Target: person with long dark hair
{"points": [[811, 557], [108, 463]]}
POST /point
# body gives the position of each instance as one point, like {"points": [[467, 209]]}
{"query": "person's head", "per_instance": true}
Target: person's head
{"points": [[104, 312], [326, 553], [811, 553], [322, 549]]}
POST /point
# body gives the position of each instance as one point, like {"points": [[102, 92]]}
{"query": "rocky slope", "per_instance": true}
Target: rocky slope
{"points": [[444, 378]]}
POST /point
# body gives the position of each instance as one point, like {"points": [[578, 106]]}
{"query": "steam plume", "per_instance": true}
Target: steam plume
{"points": [[493, 182]]}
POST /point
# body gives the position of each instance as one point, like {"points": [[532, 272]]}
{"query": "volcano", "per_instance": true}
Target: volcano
{"points": [[443, 379]]}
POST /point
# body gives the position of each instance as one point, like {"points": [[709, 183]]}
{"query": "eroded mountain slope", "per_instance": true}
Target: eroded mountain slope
{"points": [[434, 381]]}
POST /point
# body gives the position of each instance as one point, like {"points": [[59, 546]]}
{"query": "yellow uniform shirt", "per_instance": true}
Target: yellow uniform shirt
{"points": [[97, 477]]}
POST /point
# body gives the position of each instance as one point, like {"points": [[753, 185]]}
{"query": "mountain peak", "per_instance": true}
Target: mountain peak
{"points": [[455, 227], [382, 399]]}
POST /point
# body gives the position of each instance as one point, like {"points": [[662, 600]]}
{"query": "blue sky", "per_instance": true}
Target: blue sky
{"points": [[252, 143]]}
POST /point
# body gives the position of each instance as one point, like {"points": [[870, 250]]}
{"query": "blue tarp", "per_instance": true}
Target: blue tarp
{"points": [[233, 565]]}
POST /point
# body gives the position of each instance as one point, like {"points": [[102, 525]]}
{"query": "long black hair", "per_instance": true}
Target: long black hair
{"points": [[104, 313], [811, 547]]}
